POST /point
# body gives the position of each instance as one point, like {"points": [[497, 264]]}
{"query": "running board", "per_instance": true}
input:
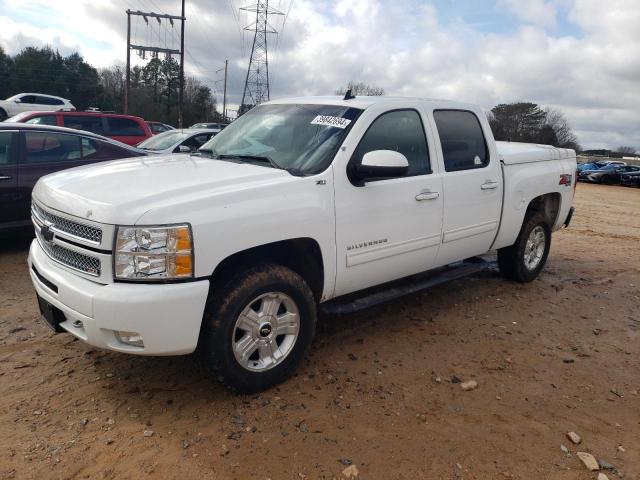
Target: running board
{"points": [[354, 302]]}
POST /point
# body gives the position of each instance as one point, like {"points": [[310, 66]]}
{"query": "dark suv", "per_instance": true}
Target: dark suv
{"points": [[27, 152], [123, 128]]}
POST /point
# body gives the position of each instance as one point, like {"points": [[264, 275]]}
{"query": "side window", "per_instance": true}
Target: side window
{"points": [[124, 127], [28, 99], [88, 123], [6, 148], [463, 143], [197, 141], [401, 131], [93, 149], [43, 120], [45, 147], [42, 100]]}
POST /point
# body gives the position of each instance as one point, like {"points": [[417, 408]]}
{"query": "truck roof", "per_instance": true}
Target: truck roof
{"points": [[364, 102]]}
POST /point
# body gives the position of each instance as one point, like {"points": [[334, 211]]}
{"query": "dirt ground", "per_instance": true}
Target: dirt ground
{"points": [[378, 389]]}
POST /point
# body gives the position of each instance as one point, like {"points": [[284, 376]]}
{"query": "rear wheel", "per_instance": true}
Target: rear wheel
{"points": [[257, 327], [524, 260]]}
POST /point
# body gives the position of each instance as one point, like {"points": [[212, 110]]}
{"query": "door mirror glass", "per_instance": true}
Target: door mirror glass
{"points": [[381, 164]]}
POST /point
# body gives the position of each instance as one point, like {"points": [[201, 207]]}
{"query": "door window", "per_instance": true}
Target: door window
{"points": [[28, 99], [462, 141], [197, 141], [46, 147], [124, 127], [93, 149], [400, 131], [88, 123], [43, 120], [6, 148]]}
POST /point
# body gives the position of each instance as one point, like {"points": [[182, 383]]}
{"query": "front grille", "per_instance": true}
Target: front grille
{"points": [[77, 261], [80, 230]]}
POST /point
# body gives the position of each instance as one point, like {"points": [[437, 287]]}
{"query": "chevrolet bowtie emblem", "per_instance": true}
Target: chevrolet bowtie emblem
{"points": [[46, 233]]}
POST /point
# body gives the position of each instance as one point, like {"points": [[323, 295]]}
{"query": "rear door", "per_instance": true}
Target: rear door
{"points": [[472, 184], [126, 130], [9, 148], [44, 152]]}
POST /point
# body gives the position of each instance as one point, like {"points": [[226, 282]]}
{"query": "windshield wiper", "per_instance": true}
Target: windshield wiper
{"points": [[255, 158], [203, 153]]}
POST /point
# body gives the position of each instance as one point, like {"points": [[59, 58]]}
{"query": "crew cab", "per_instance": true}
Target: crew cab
{"points": [[300, 204]]}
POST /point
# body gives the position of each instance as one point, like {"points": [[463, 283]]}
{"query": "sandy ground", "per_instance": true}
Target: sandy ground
{"points": [[560, 354]]}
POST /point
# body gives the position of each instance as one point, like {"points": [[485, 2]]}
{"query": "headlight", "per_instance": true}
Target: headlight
{"points": [[153, 253]]}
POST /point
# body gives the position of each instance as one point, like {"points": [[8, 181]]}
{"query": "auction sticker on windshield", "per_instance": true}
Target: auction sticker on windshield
{"points": [[330, 121]]}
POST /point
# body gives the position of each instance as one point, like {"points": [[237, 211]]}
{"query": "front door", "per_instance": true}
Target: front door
{"points": [[8, 177], [472, 183], [390, 228]]}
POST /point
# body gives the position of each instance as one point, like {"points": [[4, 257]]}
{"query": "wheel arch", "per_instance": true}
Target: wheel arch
{"points": [[548, 204], [302, 255]]}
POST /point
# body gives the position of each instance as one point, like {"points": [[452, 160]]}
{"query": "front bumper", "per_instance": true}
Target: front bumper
{"points": [[167, 316]]}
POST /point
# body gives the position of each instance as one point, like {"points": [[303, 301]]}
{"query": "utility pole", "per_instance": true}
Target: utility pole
{"points": [[224, 98], [142, 49], [256, 85], [181, 93], [128, 74]]}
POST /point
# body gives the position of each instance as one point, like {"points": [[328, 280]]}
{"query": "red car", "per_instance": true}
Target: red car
{"points": [[123, 128]]}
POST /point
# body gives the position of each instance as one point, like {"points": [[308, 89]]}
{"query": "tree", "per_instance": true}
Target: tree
{"points": [[626, 150], [527, 122], [361, 89], [6, 70]]}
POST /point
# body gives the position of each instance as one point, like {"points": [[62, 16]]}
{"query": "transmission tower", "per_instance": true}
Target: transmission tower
{"points": [[256, 85]]}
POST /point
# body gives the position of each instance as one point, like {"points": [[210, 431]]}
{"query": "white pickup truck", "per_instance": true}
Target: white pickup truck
{"points": [[341, 203]]}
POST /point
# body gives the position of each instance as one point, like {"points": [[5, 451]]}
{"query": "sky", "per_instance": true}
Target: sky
{"points": [[579, 56]]}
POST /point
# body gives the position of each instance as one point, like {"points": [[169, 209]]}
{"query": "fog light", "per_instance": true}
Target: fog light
{"points": [[130, 338]]}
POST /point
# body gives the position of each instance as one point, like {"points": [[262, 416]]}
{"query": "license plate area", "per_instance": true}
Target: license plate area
{"points": [[51, 315]]}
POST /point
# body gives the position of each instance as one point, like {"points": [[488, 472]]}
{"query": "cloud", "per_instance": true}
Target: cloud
{"points": [[580, 56]]}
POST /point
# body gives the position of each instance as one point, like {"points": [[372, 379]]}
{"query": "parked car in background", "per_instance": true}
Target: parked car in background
{"points": [[159, 127], [588, 166], [211, 125], [609, 174], [630, 179], [177, 141], [33, 101], [27, 152], [123, 128]]}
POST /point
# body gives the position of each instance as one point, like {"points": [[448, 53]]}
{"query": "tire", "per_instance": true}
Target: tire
{"points": [[240, 317], [3, 115], [518, 262]]}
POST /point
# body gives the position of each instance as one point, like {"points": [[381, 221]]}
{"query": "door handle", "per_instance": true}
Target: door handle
{"points": [[489, 185], [5, 177], [427, 196]]}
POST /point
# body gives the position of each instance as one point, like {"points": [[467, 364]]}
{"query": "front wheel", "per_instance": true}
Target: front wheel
{"points": [[524, 260], [3, 115], [257, 327]]}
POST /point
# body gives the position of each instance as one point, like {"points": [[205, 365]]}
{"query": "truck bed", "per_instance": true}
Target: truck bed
{"points": [[514, 152]]}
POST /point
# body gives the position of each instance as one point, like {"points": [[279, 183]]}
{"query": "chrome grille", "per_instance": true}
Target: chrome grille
{"points": [[76, 229], [75, 260]]}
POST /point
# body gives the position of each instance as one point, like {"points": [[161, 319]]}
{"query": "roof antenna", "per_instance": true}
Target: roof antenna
{"points": [[349, 95]]}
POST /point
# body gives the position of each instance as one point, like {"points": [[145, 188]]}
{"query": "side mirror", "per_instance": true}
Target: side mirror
{"points": [[380, 164], [17, 100], [184, 149]]}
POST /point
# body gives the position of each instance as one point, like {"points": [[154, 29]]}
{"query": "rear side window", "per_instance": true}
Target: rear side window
{"points": [[463, 143], [43, 120], [6, 148], [93, 149], [48, 101], [46, 147], [87, 123], [400, 131], [124, 127]]}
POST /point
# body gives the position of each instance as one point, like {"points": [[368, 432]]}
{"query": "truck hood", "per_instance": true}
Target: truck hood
{"points": [[121, 191]]}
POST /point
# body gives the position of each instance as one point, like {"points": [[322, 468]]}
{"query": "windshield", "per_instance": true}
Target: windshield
{"points": [[300, 137], [164, 140]]}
